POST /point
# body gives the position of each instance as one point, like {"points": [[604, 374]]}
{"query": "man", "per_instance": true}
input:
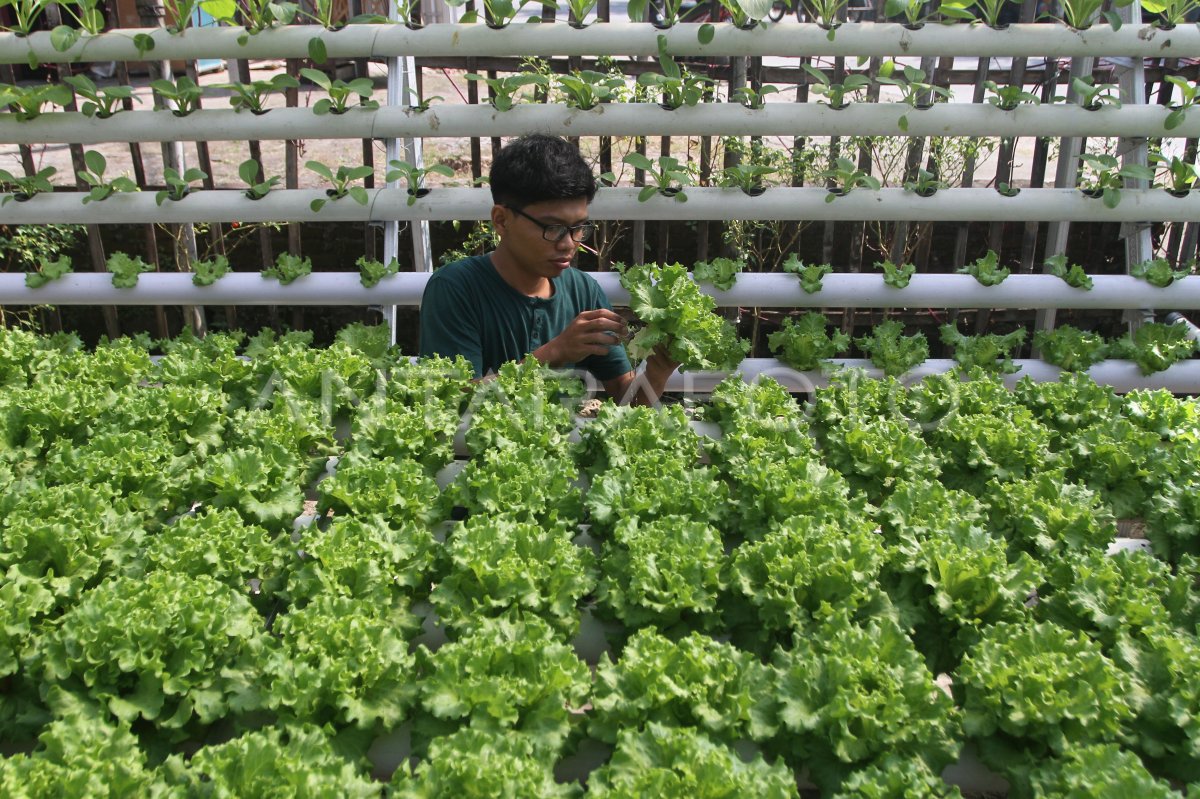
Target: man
{"points": [[524, 299]]}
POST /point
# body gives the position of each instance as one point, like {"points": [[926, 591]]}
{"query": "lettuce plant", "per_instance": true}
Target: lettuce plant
{"points": [[364, 558], [679, 317], [342, 661], [682, 761], [692, 682], [172, 649], [497, 566], [801, 571], [474, 764], [663, 572], [285, 761], [849, 694], [506, 674], [1032, 691]]}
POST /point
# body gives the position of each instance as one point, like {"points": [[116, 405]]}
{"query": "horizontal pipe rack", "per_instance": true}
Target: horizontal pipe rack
{"points": [[1122, 376], [863, 290], [618, 38], [778, 203], [615, 119]]}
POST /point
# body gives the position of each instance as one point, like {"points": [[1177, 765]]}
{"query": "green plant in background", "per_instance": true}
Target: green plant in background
{"points": [[370, 271], [420, 104], [746, 176], [668, 11], [1074, 276], [48, 271], [250, 171], [98, 102], [288, 268], [896, 276], [28, 102], [505, 90], [183, 92], [25, 248], [497, 13], [804, 343], [1154, 347], [1009, 98], [914, 12], [24, 14], [1179, 176], [88, 19], [93, 175], [838, 94], [340, 92], [987, 270], [1172, 12], [753, 98], [255, 16], [742, 13], [579, 9], [178, 185], [915, 89], [1188, 90], [1080, 14], [924, 184], [892, 351], [414, 176], [340, 183], [678, 86], [26, 186], [1094, 96], [720, 272], [1158, 272], [253, 96], [843, 176], [986, 11], [1103, 176], [810, 274], [207, 272], [825, 13], [1070, 348], [990, 352], [585, 89], [179, 13], [667, 174], [125, 269]]}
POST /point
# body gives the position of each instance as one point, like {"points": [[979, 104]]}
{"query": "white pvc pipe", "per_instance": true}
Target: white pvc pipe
{"points": [[1122, 376], [646, 119], [621, 38], [782, 203], [862, 290]]}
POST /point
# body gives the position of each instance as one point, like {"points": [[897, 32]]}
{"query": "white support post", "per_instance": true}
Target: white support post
{"points": [[1131, 76], [401, 85], [1065, 176]]}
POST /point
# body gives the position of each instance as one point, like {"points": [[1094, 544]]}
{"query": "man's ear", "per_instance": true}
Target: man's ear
{"points": [[500, 219]]}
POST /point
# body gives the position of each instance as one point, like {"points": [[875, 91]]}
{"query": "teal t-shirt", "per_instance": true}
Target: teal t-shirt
{"points": [[468, 309]]}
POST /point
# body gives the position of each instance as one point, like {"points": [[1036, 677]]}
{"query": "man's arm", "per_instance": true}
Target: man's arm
{"points": [[646, 388]]}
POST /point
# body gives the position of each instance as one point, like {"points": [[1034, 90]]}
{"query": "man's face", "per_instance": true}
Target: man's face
{"points": [[522, 238]]}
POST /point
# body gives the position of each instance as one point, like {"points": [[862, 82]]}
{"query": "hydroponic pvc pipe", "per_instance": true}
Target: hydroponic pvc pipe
{"points": [[619, 38], [752, 290], [784, 203], [644, 119], [1122, 376]]}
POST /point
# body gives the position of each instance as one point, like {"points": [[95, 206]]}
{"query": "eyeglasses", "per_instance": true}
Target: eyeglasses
{"points": [[556, 233]]}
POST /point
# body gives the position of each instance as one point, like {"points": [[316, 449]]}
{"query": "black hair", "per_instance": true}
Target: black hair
{"points": [[537, 167]]}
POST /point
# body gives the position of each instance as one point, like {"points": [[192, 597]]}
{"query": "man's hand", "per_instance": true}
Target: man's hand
{"points": [[590, 333], [659, 362]]}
